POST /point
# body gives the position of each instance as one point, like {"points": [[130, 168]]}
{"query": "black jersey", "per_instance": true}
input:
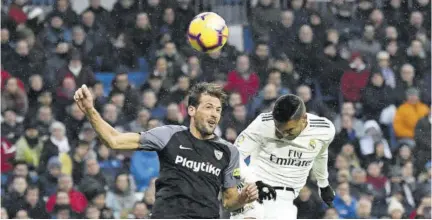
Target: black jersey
{"points": [[192, 172]]}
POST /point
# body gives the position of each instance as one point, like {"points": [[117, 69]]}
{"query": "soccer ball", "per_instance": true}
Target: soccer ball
{"points": [[207, 32]]}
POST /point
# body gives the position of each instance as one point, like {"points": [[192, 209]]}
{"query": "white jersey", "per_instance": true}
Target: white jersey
{"points": [[281, 162]]}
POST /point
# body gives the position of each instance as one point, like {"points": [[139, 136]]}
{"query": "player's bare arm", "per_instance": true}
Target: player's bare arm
{"points": [[110, 136], [233, 200]]}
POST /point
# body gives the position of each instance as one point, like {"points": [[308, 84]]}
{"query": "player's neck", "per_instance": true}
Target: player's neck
{"points": [[198, 135]]}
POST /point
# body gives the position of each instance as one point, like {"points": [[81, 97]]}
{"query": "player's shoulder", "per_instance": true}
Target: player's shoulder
{"points": [[261, 121], [228, 146], [167, 129], [321, 125]]}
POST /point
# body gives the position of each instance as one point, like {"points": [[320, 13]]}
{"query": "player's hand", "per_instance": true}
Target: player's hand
{"points": [[84, 99], [249, 194], [327, 195], [266, 192]]}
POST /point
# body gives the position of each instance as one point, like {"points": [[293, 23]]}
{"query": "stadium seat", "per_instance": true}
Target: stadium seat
{"points": [[142, 64], [247, 39]]}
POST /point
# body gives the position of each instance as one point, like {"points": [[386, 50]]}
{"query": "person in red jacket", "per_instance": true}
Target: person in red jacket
{"points": [[7, 155], [243, 80], [78, 201], [355, 79]]}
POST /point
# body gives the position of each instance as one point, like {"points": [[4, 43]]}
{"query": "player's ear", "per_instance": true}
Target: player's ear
{"points": [[191, 111]]}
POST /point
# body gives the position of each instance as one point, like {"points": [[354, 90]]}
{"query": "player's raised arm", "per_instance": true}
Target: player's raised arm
{"points": [[154, 139], [320, 169]]}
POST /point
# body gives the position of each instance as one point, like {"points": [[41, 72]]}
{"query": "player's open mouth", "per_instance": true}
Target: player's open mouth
{"points": [[212, 123]]}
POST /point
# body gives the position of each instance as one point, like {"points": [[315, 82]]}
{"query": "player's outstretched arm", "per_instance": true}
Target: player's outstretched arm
{"points": [[110, 136]]}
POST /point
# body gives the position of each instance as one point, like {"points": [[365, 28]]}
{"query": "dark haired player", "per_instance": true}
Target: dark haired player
{"points": [[194, 163], [284, 145]]}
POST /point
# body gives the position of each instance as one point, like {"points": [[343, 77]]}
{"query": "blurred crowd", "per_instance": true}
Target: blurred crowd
{"points": [[366, 66]]}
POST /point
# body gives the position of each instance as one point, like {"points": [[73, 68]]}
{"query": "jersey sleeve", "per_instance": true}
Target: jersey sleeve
{"points": [[249, 140], [248, 143], [157, 138], [320, 166], [232, 172]]}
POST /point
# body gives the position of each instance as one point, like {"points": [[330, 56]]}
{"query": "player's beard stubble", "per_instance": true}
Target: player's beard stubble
{"points": [[203, 127]]}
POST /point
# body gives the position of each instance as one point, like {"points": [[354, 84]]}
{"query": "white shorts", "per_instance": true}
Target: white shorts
{"points": [[281, 208]]}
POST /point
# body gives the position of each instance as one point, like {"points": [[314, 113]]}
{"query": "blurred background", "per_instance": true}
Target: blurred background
{"points": [[363, 64]]}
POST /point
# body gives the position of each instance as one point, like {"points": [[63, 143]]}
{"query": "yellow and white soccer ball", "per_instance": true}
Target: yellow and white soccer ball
{"points": [[207, 32]]}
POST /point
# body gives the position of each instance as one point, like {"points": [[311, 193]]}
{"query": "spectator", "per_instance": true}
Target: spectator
{"points": [[377, 98], [395, 209], [7, 155], [19, 64], [77, 70], [49, 179], [282, 33], [87, 48], [109, 165], [376, 18], [358, 185], [263, 101], [344, 203], [22, 214], [140, 211], [354, 79], [237, 119], [78, 160], [102, 16], [57, 145], [349, 152], [423, 143], [34, 204], [243, 80], [37, 86], [261, 61], [78, 202], [173, 115], [64, 94], [170, 28], [263, 16], [149, 101], [96, 33], [92, 212], [142, 35], [121, 197], [407, 80], [408, 114], [375, 177], [16, 196], [121, 84], [418, 57], [11, 128], [179, 92], [55, 32], [140, 123], [154, 83], [119, 55], [331, 213], [123, 14], [4, 214], [381, 155], [305, 54], [373, 135], [14, 98], [74, 121], [63, 8], [314, 106], [308, 205], [364, 209], [384, 65], [29, 146], [94, 172], [368, 45]]}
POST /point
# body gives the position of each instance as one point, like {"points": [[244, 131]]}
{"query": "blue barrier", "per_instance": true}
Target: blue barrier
{"points": [[247, 39], [135, 78]]}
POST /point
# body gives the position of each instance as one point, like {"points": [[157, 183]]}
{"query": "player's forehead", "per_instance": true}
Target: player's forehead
{"points": [[206, 99]]}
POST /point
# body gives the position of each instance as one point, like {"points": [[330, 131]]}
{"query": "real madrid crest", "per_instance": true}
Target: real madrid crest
{"points": [[218, 154], [312, 144]]}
